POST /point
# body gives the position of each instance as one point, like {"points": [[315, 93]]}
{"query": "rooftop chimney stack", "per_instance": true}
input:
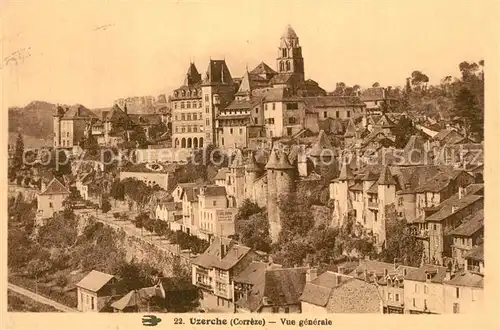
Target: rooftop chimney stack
{"points": [[461, 192], [311, 274]]}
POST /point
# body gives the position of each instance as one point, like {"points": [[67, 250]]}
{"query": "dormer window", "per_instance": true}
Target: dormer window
{"points": [[183, 93]]}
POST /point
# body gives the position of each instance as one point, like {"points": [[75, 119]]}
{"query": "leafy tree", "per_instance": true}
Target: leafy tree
{"points": [[136, 275], [403, 131], [400, 244], [19, 151], [296, 217], [140, 221], [247, 209], [375, 84], [105, 206], [418, 79], [254, 232]]}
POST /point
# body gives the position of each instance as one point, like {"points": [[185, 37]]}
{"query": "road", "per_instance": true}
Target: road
{"points": [[40, 299]]}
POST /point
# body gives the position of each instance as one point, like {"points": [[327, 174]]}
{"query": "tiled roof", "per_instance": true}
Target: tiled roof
{"points": [[191, 193], [467, 279], [332, 101], [114, 115], [322, 143], [318, 291], [78, 111], [213, 191], [442, 134], [272, 161], [217, 73], [454, 204], [386, 177], [437, 273], [357, 187], [439, 181], [145, 119], [253, 274], [55, 187], [345, 173], [373, 189], [221, 174], [262, 68], [281, 78], [252, 165], [135, 298], [171, 206], [243, 104], [233, 256], [354, 296], [476, 253], [283, 162], [94, 281]]}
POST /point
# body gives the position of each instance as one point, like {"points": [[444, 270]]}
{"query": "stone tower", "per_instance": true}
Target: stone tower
{"points": [[386, 196], [339, 192], [290, 58], [252, 171], [285, 184], [272, 198], [237, 169], [57, 126]]}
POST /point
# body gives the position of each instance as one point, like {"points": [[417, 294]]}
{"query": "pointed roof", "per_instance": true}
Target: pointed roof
{"points": [[345, 173], [115, 114], [78, 111], [252, 165], [95, 280], [322, 143], [370, 176], [386, 177], [262, 68], [350, 131], [272, 161], [217, 73], [283, 162], [385, 121], [55, 187], [246, 85], [238, 160], [192, 76], [289, 33]]}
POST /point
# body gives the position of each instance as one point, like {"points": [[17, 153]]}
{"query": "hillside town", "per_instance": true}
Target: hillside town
{"points": [[258, 192]]}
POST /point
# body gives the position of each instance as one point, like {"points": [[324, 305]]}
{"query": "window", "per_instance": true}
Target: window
{"points": [[292, 106], [183, 129], [389, 296], [274, 106], [457, 292], [182, 105], [435, 227], [206, 98], [292, 120], [50, 205], [397, 297], [195, 116], [275, 309], [256, 110], [195, 129], [414, 304], [230, 131], [456, 308], [241, 131], [287, 310], [188, 105], [189, 129], [265, 106], [426, 289], [207, 109], [176, 129], [348, 114], [188, 116], [222, 141], [325, 114], [175, 105], [214, 203], [207, 121], [183, 117], [175, 117], [337, 114], [92, 302], [271, 133]]}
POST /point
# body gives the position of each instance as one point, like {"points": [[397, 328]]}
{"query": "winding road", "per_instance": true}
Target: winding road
{"points": [[41, 299]]}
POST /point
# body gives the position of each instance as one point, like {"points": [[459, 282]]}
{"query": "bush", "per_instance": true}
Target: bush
{"points": [[61, 281], [116, 215]]}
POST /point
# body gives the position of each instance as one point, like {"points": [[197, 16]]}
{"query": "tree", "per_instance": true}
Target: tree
{"points": [[400, 245], [418, 79], [140, 221], [19, 152], [254, 232], [403, 131], [117, 191], [375, 84], [247, 209], [295, 215], [135, 275], [105, 205], [470, 114]]}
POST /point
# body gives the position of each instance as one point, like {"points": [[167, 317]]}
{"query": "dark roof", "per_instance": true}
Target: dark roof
{"points": [[467, 279], [252, 165], [253, 274], [78, 111], [211, 257], [357, 187], [272, 161], [193, 77], [191, 193], [345, 173], [243, 104], [283, 162], [281, 78], [55, 187], [283, 286], [439, 181], [373, 94], [233, 256], [145, 119], [386, 177], [442, 134], [322, 143], [437, 273], [217, 73], [213, 191], [114, 115], [332, 101], [221, 174], [262, 68]]}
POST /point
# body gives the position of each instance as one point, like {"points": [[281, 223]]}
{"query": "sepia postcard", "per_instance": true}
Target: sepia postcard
{"points": [[178, 164]]}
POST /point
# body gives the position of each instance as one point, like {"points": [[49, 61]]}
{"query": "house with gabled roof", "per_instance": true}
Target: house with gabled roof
{"points": [[50, 200], [464, 293], [214, 271], [467, 236], [424, 291], [318, 289], [96, 290]]}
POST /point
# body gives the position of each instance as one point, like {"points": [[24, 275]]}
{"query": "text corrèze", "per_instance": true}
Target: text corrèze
{"points": [[259, 322]]}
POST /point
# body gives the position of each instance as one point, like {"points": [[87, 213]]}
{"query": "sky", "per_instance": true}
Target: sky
{"points": [[145, 48]]}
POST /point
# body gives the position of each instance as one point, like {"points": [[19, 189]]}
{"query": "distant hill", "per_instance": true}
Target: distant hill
{"points": [[30, 141], [34, 120]]}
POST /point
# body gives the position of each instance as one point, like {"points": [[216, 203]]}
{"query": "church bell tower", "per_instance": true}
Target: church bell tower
{"points": [[290, 58]]}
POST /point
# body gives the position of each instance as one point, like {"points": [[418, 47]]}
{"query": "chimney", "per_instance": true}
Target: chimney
{"points": [[338, 279], [366, 275], [448, 274], [43, 186], [311, 274], [461, 192], [222, 251], [396, 265]]}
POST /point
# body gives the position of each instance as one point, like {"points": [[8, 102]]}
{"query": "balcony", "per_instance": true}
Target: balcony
{"points": [[204, 286]]}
